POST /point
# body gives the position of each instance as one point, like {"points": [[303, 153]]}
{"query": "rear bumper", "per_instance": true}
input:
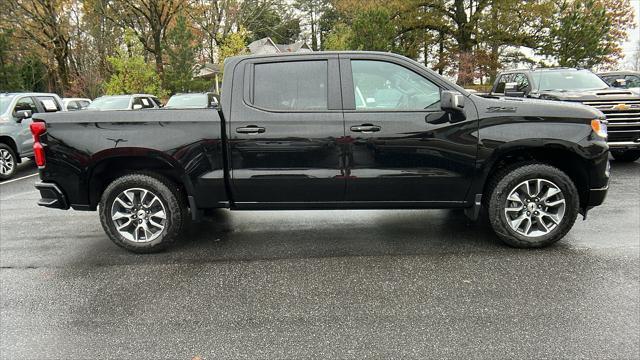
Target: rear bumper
{"points": [[51, 196]]}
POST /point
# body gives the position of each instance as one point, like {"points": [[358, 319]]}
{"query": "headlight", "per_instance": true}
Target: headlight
{"points": [[599, 127]]}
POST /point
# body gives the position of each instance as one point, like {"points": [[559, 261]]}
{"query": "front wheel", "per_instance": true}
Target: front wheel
{"points": [[142, 213], [532, 205], [626, 156]]}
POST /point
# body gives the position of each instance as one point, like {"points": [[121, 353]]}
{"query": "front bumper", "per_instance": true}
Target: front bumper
{"points": [[597, 196], [624, 145], [51, 196]]}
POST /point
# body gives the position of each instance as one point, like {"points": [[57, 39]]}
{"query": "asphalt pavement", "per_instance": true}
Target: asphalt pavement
{"points": [[319, 284]]}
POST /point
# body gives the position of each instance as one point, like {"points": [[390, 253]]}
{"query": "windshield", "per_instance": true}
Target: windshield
{"points": [[188, 101], [5, 100], [110, 103], [568, 80]]}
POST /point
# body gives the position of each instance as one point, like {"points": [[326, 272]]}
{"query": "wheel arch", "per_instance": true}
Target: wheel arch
{"points": [[114, 165], [5, 139], [558, 154]]}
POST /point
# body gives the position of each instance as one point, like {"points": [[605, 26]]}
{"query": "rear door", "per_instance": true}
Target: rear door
{"points": [[285, 132], [396, 151]]}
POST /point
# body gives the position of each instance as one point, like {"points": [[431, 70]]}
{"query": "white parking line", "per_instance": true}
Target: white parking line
{"points": [[20, 178]]}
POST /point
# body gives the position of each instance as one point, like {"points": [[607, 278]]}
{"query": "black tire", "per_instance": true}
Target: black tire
{"points": [[9, 156], [169, 195], [507, 180], [626, 156]]}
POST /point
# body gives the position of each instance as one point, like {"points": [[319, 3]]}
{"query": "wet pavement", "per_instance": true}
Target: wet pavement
{"points": [[319, 284]]}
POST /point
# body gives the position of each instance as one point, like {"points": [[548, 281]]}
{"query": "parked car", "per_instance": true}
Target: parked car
{"points": [[621, 106], [627, 79], [329, 130], [125, 102], [16, 141], [192, 101], [74, 104]]}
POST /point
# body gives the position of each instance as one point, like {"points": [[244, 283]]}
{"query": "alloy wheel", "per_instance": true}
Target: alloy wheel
{"points": [[7, 163], [535, 207], [138, 215]]}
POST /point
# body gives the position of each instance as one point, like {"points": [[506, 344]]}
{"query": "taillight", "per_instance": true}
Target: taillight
{"points": [[38, 128]]}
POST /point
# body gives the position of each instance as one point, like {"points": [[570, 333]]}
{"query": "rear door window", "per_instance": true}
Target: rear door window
{"points": [[291, 85], [49, 103], [147, 103]]}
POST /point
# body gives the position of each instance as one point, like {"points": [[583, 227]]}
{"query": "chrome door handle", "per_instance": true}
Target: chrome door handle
{"points": [[251, 129], [366, 128]]}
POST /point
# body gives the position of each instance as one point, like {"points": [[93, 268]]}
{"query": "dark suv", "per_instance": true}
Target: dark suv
{"points": [[621, 106]]}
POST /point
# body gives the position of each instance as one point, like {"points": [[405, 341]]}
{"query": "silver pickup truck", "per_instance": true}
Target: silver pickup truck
{"points": [[16, 141]]}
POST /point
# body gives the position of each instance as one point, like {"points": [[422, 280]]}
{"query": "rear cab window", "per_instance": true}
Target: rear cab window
{"points": [[291, 86], [49, 103]]}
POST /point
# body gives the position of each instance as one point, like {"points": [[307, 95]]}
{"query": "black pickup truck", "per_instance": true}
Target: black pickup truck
{"points": [[620, 106], [328, 130]]}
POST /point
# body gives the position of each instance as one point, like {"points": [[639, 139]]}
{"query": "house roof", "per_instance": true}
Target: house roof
{"points": [[208, 69], [267, 46]]}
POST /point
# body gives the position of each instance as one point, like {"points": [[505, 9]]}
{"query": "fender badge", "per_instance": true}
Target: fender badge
{"points": [[621, 107]]}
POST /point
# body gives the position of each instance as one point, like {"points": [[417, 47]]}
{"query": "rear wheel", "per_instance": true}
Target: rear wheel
{"points": [[142, 212], [8, 162], [626, 156], [532, 205]]}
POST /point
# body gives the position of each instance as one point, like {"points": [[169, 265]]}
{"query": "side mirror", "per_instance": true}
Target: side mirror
{"points": [[451, 101], [137, 106], [214, 102], [23, 114]]}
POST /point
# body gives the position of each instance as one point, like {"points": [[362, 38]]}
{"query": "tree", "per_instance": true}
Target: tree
{"points": [[234, 44], [132, 74], [148, 19], [587, 33], [312, 11], [181, 50], [269, 18], [215, 19], [10, 79], [45, 24], [339, 38]]}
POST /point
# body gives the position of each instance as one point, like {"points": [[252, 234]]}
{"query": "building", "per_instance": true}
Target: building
{"points": [[267, 46]]}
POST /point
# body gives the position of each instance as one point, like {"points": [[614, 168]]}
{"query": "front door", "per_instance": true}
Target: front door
{"points": [[396, 151], [284, 133], [24, 139]]}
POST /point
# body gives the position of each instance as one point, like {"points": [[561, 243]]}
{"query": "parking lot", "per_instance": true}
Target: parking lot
{"points": [[332, 284]]}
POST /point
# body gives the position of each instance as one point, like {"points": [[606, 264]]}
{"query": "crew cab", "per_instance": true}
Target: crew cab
{"points": [[16, 141], [328, 130], [621, 106]]}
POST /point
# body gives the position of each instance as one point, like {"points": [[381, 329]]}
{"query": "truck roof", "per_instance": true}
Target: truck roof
{"points": [[542, 70], [620, 72], [28, 94]]}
